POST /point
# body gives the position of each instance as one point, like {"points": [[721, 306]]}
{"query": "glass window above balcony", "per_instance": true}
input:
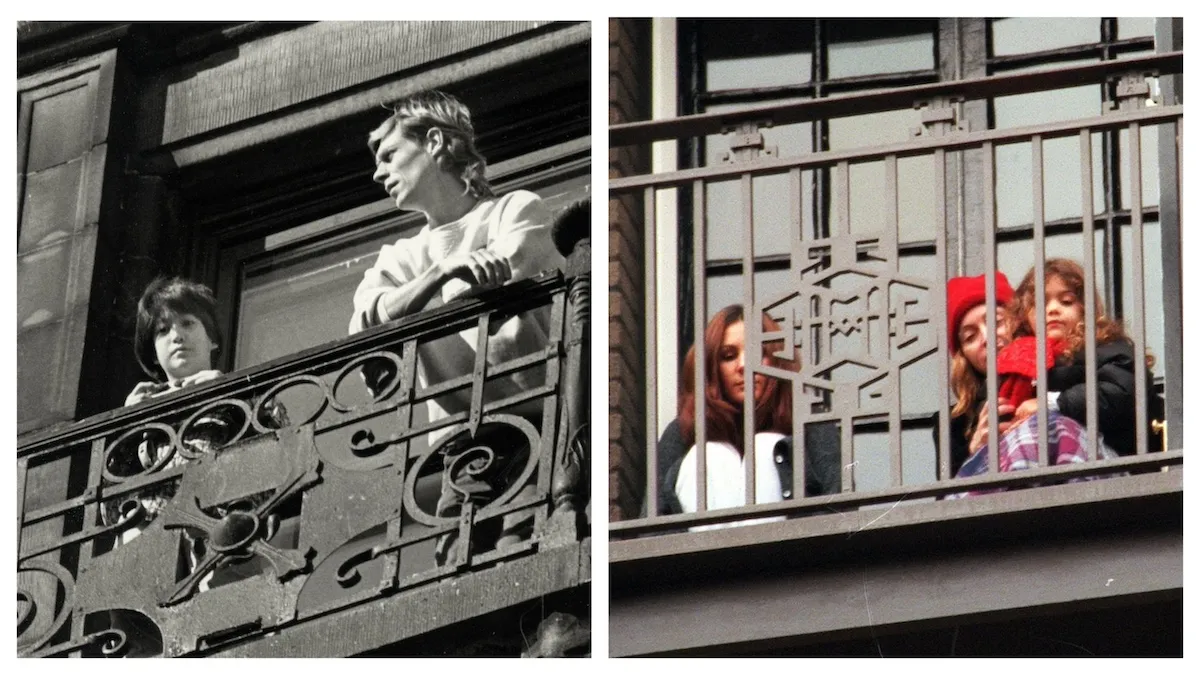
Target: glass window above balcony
{"points": [[1026, 35], [874, 47], [751, 54]]}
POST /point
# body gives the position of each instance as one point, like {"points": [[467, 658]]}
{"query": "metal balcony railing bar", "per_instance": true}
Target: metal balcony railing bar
{"points": [[920, 146], [847, 501], [633, 133]]}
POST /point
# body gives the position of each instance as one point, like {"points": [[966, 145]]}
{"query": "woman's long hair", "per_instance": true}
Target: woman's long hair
{"points": [[965, 382], [772, 411], [1025, 300]]}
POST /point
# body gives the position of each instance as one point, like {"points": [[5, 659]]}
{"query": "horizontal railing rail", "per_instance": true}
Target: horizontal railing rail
{"points": [[292, 491], [1008, 84]]}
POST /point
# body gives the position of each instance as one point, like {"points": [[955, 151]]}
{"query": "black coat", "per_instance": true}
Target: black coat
{"points": [[1115, 402], [823, 458]]}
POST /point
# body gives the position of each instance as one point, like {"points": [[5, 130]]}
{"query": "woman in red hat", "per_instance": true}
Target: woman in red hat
{"points": [[966, 323], [1067, 437]]}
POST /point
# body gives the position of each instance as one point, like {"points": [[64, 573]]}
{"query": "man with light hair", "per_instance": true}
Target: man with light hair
{"points": [[426, 160]]}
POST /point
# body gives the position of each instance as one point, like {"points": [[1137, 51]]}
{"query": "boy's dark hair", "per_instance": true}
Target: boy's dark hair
{"points": [[178, 296]]}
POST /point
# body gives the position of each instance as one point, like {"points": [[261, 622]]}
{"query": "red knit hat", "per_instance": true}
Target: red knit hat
{"points": [[963, 293]]}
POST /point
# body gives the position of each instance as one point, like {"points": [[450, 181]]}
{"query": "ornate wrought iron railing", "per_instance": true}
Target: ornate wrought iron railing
{"points": [[277, 521], [861, 332]]}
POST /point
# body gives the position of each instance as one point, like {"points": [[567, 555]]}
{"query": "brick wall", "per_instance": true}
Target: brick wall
{"points": [[628, 87]]}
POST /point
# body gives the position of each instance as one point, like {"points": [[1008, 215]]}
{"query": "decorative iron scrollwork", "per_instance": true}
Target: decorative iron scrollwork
{"points": [[30, 604]]}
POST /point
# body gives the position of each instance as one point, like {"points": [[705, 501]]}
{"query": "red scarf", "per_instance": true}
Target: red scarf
{"points": [[1016, 365]]}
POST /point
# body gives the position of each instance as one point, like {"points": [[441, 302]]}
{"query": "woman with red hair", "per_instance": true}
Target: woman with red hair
{"points": [[725, 393]]}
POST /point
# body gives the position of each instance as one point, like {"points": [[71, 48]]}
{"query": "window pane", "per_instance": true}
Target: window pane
{"points": [[38, 349], [1131, 27], [724, 233], [869, 194], [51, 204], [789, 140], [1022, 36], [726, 290], [1060, 157], [302, 303], [1149, 155], [860, 131], [873, 47], [42, 284], [744, 54], [1044, 107]]}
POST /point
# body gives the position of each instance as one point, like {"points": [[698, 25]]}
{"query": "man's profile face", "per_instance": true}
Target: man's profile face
{"points": [[402, 166]]}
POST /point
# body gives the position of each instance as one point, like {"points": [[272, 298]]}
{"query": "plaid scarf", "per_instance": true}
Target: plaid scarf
{"points": [[1066, 443]]}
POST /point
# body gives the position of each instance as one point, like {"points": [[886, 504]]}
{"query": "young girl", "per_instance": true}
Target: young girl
{"points": [[1065, 386]]}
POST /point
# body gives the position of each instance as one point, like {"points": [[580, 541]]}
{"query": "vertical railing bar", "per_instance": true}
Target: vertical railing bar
{"points": [[1174, 430], [91, 512], [1039, 258], [1139, 292], [1089, 292], [553, 407], [843, 188], [797, 237], [890, 242], [943, 340], [701, 319], [989, 250], [752, 332], [22, 476], [480, 373], [650, 281]]}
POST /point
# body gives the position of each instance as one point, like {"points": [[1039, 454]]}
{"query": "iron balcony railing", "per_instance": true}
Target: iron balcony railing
{"points": [[324, 512], [847, 280]]}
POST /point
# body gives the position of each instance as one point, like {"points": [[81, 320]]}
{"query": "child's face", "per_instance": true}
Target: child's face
{"points": [[973, 335], [182, 346], [1064, 311]]}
